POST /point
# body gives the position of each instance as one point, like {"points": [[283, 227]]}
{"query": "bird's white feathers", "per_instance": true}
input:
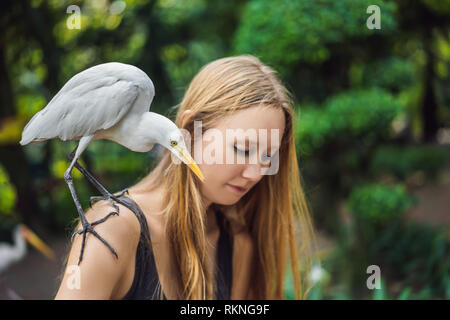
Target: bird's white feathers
{"points": [[11, 253], [95, 99]]}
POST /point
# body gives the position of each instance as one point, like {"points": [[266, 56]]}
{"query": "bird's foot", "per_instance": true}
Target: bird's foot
{"points": [[89, 227], [121, 193], [109, 198]]}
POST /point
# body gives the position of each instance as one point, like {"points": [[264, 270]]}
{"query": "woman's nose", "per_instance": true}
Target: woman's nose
{"points": [[252, 172]]}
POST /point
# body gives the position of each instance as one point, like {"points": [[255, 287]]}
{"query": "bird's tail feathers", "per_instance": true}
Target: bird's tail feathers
{"points": [[30, 132], [24, 141], [26, 137]]}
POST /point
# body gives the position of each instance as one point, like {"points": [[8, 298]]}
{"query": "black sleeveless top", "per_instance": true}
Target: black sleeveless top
{"points": [[146, 285]]}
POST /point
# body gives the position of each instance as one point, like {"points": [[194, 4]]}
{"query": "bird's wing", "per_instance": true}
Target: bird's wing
{"points": [[83, 106]]}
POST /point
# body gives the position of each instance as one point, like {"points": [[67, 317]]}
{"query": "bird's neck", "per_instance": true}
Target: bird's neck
{"points": [[150, 129], [19, 243]]}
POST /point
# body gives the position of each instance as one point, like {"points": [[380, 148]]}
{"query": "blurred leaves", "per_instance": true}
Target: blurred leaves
{"points": [[392, 73], [11, 130], [439, 6], [360, 113], [8, 193], [378, 204], [60, 166], [271, 30], [405, 161], [359, 92]]}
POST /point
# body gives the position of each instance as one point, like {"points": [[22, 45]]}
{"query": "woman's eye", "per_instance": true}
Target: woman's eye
{"points": [[242, 152], [265, 159]]}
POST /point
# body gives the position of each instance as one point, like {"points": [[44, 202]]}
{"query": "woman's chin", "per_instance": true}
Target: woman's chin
{"points": [[229, 201], [227, 197]]}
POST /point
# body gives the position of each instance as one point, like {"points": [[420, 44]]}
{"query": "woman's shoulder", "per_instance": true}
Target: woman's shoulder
{"points": [[121, 231], [124, 226], [100, 271]]}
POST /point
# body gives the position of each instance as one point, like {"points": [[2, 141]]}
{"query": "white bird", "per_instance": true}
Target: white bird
{"points": [[13, 253], [108, 101]]}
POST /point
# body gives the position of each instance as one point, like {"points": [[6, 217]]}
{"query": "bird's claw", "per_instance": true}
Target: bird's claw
{"points": [[89, 227], [94, 223], [109, 198], [121, 193]]}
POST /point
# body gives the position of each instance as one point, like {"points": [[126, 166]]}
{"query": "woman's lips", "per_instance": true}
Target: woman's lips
{"points": [[239, 190]]}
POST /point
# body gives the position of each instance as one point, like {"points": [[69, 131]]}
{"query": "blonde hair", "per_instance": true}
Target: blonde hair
{"points": [[275, 206]]}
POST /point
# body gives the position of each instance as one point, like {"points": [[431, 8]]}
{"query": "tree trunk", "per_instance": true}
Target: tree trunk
{"points": [[429, 105]]}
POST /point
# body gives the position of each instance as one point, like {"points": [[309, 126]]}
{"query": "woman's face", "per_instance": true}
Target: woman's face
{"points": [[246, 169]]}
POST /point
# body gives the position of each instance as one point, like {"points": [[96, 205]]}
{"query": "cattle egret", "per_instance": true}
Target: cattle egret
{"points": [[12, 253], [108, 101]]}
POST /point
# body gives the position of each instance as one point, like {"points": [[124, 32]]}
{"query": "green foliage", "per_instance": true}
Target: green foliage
{"points": [[392, 73], [440, 6], [285, 32], [8, 194], [65, 210], [175, 12], [110, 157], [416, 255], [344, 74], [29, 104], [183, 61], [361, 113], [379, 204], [404, 294], [416, 258], [318, 278], [404, 161], [316, 293], [381, 293]]}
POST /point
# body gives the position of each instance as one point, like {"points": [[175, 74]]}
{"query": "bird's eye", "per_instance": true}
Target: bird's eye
{"points": [[173, 143]]}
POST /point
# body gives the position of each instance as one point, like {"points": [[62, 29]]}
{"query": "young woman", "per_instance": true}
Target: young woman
{"points": [[225, 238]]}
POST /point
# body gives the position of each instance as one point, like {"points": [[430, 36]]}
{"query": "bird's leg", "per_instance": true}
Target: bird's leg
{"points": [[86, 226], [98, 186], [106, 195]]}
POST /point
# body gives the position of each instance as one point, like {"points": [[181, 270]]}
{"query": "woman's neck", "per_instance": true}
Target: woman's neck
{"points": [[211, 221]]}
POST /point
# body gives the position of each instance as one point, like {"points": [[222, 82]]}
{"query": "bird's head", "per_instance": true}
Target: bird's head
{"points": [[175, 143], [35, 241], [165, 132]]}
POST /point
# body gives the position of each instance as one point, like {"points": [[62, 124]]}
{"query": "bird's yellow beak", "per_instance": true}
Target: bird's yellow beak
{"points": [[186, 157], [34, 240]]}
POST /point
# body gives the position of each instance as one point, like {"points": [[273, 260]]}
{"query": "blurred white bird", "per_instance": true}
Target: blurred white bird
{"points": [[13, 253], [108, 101]]}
